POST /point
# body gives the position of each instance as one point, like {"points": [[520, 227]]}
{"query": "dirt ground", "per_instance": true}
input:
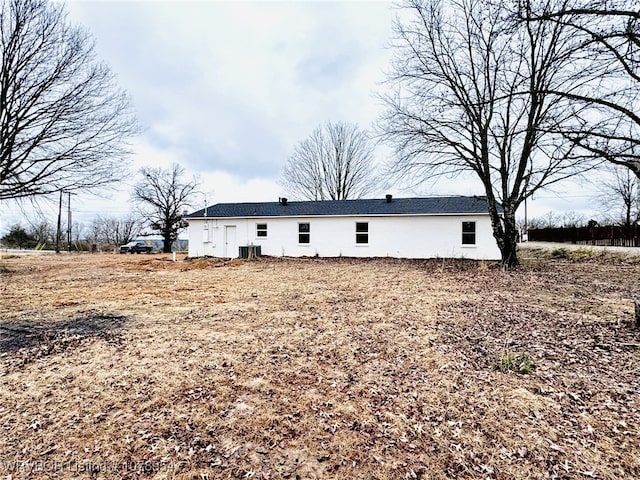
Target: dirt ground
{"points": [[115, 366]]}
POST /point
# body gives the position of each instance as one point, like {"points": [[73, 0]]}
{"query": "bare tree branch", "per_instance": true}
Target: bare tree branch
{"points": [[164, 196], [335, 163], [608, 34], [114, 231], [619, 195], [474, 94], [64, 123]]}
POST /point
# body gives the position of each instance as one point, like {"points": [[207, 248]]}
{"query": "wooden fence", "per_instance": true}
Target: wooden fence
{"points": [[617, 236]]}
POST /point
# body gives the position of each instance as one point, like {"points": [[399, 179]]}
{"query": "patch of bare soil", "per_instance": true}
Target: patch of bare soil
{"points": [[139, 367]]}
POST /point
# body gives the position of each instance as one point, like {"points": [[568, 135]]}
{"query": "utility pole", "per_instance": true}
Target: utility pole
{"points": [[526, 220], [526, 224], [59, 224], [69, 222]]}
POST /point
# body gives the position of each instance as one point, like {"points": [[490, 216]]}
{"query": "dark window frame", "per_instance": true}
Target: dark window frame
{"points": [[362, 233], [304, 233], [469, 233], [261, 230]]}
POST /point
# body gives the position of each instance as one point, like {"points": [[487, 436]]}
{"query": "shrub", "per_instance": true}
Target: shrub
{"points": [[515, 362], [582, 254], [560, 253], [575, 255]]}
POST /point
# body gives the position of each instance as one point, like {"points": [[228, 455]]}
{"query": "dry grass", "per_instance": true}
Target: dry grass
{"points": [[139, 367]]}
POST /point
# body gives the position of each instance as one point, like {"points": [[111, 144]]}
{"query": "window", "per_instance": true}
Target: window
{"points": [[261, 230], [468, 233], [304, 233], [362, 232]]}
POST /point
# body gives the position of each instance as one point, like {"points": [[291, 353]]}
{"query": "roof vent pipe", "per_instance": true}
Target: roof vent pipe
{"points": [[389, 197], [283, 200]]}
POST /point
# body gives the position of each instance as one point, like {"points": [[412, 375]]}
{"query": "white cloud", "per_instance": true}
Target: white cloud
{"points": [[235, 85]]}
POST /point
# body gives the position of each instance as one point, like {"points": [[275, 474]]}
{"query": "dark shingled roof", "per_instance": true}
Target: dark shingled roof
{"points": [[397, 206]]}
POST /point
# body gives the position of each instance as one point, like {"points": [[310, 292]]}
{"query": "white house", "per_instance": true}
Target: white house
{"points": [[451, 227]]}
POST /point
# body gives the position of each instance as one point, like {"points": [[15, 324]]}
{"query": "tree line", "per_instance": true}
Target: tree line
{"points": [[102, 233], [160, 199]]}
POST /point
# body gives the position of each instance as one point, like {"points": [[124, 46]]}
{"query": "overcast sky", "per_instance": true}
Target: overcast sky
{"points": [[228, 89]]}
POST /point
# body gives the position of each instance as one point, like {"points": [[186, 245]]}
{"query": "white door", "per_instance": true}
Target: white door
{"points": [[230, 243]]}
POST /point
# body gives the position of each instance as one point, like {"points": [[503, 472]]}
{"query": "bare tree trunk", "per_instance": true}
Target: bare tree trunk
{"points": [[505, 232], [509, 246], [167, 241]]}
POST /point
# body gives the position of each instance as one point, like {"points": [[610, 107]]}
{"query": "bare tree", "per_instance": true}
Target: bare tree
{"points": [[548, 220], [335, 162], [470, 97], [164, 196], [607, 32], [114, 231], [64, 123], [619, 195], [44, 233], [40, 228], [572, 219], [79, 237]]}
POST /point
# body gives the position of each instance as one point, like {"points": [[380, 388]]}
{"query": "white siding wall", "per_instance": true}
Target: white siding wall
{"points": [[397, 236]]}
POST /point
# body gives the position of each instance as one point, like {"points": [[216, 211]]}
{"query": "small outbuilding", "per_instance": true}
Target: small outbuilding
{"points": [[431, 227]]}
